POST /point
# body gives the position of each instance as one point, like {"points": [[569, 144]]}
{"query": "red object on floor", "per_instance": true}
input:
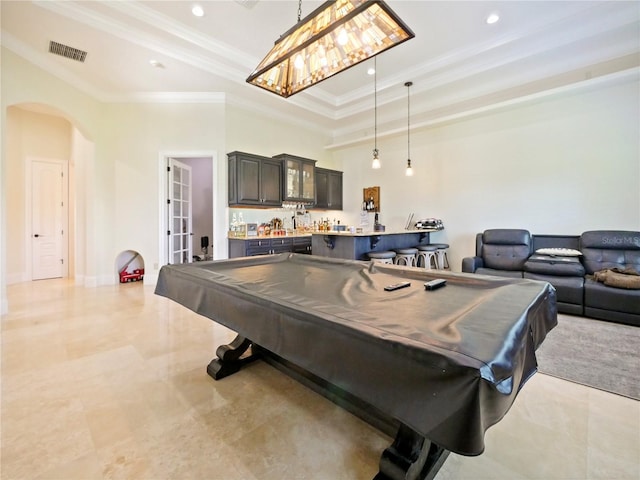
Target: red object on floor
{"points": [[137, 275]]}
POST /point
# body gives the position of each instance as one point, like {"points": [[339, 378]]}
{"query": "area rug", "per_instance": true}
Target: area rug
{"points": [[595, 353]]}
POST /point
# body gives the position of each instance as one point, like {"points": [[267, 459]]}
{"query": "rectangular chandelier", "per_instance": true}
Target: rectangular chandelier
{"points": [[337, 35]]}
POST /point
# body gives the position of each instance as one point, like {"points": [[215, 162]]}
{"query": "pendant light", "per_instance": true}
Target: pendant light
{"points": [[409, 171], [376, 161], [337, 35]]}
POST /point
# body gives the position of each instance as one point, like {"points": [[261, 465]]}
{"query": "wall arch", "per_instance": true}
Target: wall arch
{"points": [[23, 129], [47, 109]]}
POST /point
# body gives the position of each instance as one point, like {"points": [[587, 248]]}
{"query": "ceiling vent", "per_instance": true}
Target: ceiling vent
{"points": [[67, 51], [249, 4]]}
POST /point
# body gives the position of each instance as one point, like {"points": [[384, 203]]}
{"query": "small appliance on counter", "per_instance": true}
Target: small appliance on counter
{"points": [[430, 223]]}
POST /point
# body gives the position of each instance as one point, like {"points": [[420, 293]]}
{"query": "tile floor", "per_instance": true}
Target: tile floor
{"points": [[110, 383]]}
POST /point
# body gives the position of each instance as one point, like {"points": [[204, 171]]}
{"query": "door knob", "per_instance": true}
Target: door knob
{"points": [[36, 235]]}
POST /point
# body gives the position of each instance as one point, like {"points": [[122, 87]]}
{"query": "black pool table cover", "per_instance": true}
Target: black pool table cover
{"points": [[448, 363]]}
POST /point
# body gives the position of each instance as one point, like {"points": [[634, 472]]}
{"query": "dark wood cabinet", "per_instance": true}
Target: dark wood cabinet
{"points": [[240, 247], [298, 178], [302, 245], [254, 180], [328, 189]]}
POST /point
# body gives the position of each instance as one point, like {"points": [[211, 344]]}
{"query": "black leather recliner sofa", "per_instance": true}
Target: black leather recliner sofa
{"points": [[514, 253], [501, 252], [608, 249]]}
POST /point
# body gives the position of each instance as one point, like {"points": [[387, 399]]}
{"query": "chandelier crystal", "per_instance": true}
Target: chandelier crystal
{"points": [[337, 35]]}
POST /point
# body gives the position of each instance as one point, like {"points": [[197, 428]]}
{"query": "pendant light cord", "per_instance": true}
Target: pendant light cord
{"points": [[375, 103], [299, 10], [408, 85]]}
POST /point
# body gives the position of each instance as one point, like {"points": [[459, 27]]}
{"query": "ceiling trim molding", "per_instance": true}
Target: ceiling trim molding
{"points": [[468, 61], [473, 60], [173, 97], [89, 18], [137, 10], [457, 79], [563, 68], [629, 75], [246, 104]]}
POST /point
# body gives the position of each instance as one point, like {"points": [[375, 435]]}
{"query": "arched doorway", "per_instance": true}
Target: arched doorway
{"points": [[46, 160]]}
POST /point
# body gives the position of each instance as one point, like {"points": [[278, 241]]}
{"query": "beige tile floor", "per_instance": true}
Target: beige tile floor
{"points": [[110, 383]]}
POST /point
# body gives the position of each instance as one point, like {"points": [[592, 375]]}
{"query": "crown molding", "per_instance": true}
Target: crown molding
{"points": [[478, 58], [140, 12], [172, 97], [276, 114], [585, 38], [617, 78], [151, 42]]}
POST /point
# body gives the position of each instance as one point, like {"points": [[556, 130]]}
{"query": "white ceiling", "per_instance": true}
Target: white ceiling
{"points": [[457, 63]]}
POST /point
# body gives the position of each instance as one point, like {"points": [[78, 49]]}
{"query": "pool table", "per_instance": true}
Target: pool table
{"points": [[442, 365]]}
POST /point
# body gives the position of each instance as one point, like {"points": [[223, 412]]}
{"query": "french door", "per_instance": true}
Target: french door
{"points": [[180, 214]]}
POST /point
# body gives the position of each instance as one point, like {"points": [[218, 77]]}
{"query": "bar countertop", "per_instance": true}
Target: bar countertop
{"points": [[373, 233], [263, 237], [346, 233]]}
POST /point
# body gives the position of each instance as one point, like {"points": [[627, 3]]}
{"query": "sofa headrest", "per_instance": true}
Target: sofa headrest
{"points": [[610, 239], [505, 236]]}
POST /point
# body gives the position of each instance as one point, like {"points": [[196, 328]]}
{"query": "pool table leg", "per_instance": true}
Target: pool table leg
{"points": [[411, 457], [230, 358]]}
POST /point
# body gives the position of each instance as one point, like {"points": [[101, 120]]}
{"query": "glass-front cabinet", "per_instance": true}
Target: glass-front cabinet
{"points": [[298, 179]]}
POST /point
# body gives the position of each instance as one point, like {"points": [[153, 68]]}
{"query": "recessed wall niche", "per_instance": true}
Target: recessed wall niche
{"points": [[130, 267]]}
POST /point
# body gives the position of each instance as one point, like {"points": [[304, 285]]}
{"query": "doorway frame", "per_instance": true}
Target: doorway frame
{"points": [[28, 205], [163, 192]]}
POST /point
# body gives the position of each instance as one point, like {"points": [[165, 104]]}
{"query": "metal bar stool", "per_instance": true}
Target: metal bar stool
{"points": [[382, 257], [443, 259], [427, 257], [406, 256]]}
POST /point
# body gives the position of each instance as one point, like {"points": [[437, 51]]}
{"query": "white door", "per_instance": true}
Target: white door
{"points": [[180, 231], [48, 219]]}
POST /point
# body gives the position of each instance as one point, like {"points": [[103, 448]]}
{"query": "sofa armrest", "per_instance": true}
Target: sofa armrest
{"points": [[471, 264]]}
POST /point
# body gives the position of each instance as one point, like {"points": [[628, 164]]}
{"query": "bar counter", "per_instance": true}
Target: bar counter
{"points": [[355, 246], [266, 245]]}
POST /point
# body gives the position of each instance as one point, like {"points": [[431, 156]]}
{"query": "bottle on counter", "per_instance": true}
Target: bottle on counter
{"points": [[234, 225], [241, 231]]}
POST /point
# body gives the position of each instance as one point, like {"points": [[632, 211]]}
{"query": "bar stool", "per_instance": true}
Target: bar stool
{"points": [[406, 256], [427, 257], [443, 259], [382, 257]]}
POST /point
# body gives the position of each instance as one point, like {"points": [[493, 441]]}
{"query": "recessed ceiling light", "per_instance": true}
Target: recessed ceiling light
{"points": [[492, 18], [371, 71], [156, 63], [198, 11]]}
